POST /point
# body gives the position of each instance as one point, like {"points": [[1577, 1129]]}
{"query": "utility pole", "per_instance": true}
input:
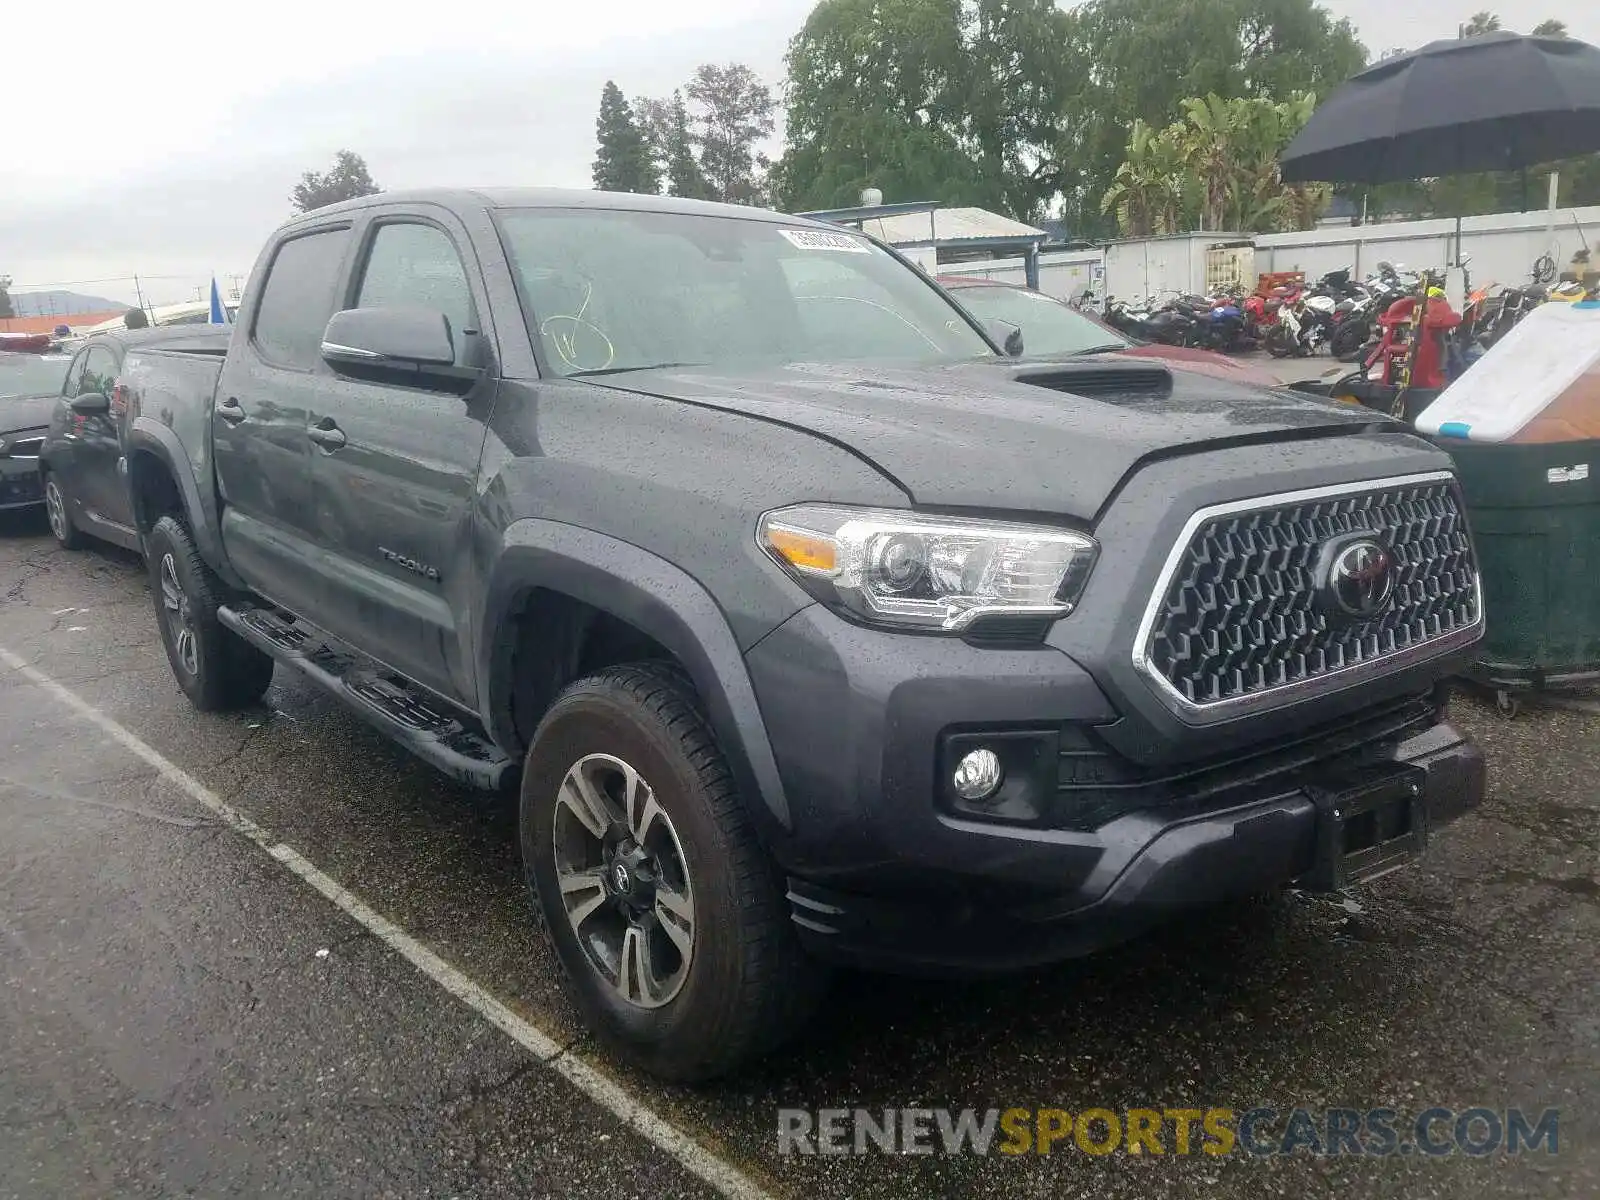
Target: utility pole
{"points": [[139, 292]]}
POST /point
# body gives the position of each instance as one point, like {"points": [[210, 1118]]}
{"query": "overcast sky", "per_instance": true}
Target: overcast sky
{"points": [[172, 150]]}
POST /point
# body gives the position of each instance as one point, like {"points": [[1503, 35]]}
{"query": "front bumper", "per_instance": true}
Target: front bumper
{"points": [[887, 870], [19, 483]]}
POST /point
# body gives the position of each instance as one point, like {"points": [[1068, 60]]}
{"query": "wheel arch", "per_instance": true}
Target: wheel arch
{"points": [[162, 480], [643, 593]]}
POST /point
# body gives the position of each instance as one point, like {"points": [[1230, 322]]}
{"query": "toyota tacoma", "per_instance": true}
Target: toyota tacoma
{"points": [[808, 628]]}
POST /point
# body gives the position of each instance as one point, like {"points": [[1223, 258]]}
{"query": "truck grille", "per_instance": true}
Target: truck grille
{"points": [[1236, 614]]}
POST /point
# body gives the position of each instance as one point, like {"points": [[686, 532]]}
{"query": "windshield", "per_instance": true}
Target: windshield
{"points": [[614, 290], [32, 374], [1048, 326]]}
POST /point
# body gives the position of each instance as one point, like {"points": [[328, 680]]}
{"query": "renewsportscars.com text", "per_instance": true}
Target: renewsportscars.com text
{"points": [[1431, 1133]]}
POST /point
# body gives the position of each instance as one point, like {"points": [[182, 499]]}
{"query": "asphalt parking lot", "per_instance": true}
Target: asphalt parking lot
{"points": [[183, 1015]]}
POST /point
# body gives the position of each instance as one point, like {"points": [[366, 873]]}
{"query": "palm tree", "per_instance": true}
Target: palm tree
{"points": [[1208, 138], [1481, 23], [1150, 192], [1550, 28]]}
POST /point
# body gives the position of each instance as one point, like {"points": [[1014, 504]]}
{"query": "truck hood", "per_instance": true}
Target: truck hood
{"points": [[26, 412], [1003, 435]]}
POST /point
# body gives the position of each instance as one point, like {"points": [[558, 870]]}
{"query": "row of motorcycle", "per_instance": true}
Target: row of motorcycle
{"points": [[1335, 314]]}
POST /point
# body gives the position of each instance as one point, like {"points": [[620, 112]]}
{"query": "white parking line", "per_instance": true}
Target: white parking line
{"points": [[720, 1174]]}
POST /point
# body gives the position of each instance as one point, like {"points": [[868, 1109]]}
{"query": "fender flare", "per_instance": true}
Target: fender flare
{"points": [[653, 596], [149, 436]]}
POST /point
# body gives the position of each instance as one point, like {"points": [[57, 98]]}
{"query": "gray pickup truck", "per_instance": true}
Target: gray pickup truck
{"points": [[807, 626]]}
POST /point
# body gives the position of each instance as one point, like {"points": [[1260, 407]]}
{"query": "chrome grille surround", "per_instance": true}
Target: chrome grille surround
{"points": [[1232, 623]]}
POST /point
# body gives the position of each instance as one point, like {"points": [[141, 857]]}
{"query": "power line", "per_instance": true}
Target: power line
{"points": [[39, 287]]}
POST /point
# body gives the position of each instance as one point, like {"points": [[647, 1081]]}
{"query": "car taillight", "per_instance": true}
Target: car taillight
{"points": [[119, 398]]}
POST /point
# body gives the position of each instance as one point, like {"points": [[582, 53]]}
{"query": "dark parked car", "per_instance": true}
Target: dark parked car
{"points": [[80, 465], [1052, 328], [29, 384], [807, 628]]}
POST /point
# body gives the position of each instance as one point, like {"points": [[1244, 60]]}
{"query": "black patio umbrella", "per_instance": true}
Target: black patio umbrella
{"points": [[1497, 102]]}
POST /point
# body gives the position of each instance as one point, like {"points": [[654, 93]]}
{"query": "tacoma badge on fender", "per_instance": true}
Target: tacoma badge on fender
{"points": [[409, 564]]}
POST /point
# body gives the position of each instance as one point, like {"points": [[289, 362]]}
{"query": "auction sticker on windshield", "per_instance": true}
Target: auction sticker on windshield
{"points": [[820, 239]]}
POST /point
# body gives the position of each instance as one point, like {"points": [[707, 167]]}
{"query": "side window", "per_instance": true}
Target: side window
{"points": [[74, 379], [99, 371], [416, 266], [298, 298]]}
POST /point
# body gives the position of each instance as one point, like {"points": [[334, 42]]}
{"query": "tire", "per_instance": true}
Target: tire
{"points": [[744, 985], [1346, 344], [58, 510], [1280, 343], [216, 669]]}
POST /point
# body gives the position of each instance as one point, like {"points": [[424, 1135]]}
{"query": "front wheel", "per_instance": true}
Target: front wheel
{"points": [[216, 668], [666, 915], [1280, 342]]}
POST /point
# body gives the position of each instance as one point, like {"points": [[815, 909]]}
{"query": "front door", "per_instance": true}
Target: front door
{"points": [[395, 469], [273, 374], [94, 484]]}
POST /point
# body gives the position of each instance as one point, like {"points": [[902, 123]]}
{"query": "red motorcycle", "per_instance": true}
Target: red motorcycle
{"points": [[1262, 310]]}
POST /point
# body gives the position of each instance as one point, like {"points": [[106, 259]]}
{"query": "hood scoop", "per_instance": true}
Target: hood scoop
{"points": [[1101, 380]]}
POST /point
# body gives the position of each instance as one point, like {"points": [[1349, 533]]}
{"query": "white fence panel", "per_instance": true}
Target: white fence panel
{"points": [[1501, 247]]}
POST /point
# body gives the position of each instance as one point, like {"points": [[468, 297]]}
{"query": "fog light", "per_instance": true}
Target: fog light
{"points": [[978, 775]]}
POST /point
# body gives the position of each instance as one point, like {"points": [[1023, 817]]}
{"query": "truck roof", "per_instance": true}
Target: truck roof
{"points": [[542, 197]]}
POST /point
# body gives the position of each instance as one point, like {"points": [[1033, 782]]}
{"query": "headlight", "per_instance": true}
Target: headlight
{"points": [[937, 573]]}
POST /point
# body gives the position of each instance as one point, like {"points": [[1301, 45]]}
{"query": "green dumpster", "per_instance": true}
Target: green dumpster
{"points": [[1535, 514]]}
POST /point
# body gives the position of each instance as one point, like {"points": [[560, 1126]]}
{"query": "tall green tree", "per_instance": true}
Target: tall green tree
{"points": [[1481, 23], [6, 308], [733, 112], [1551, 28], [1142, 58], [653, 117], [953, 100], [347, 179], [622, 161], [684, 177]]}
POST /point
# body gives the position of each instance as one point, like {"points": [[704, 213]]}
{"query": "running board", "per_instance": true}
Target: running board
{"points": [[419, 722]]}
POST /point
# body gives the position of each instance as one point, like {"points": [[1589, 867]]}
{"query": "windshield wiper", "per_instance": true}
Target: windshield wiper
{"points": [[624, 370], [1105, 348]]}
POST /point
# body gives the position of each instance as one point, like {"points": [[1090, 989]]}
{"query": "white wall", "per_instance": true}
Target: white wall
{"points": [[1156, 266], [1062, 273], [1502, 246]]}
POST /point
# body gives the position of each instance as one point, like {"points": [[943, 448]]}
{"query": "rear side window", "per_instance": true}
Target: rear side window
{"points": [[416, 266], [298, 297]]}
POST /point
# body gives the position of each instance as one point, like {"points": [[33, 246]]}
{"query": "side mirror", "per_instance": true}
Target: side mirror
{"points": [[90, 404], [407, 339], [1008, 336]]}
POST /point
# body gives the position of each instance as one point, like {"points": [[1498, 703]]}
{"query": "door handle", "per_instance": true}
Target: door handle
{"points": [[326, 434], [231, 411]]}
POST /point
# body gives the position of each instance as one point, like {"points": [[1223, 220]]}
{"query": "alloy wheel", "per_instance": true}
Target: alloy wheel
{"points": [[176, 611], [56, 507], [624, 880]]}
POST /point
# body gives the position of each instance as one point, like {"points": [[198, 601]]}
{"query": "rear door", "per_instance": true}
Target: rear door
{"points": [[394, 490], [268, 386]]}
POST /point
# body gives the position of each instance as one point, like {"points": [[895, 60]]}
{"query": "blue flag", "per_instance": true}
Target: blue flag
{"points": [[219, 312]]}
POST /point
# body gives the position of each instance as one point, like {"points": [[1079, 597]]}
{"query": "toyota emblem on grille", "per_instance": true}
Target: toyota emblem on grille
{"points": [[1357, 578]]}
